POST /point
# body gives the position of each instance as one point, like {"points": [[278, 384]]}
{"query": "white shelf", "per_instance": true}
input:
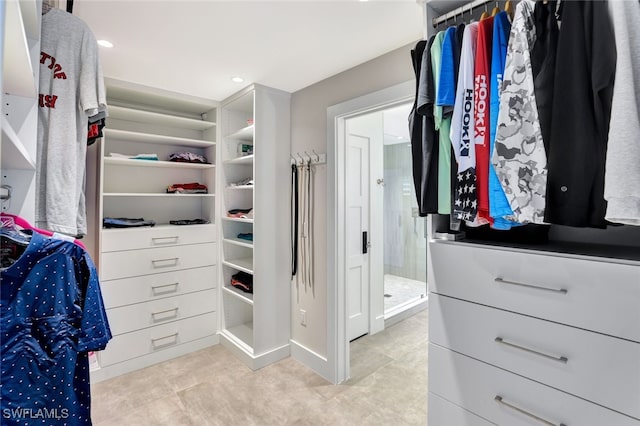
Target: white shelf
{"points": [[245, 134], [244, 264], [153, 194], [157, 226], [237, 219], [155, 139], [247, 159], [239, 242], [17, 72], [239, 294], [242, 332], [240, 187], [14, 154], [131, 114], [129, 162]]}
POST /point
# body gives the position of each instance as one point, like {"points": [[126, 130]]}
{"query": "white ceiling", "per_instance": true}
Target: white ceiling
{"points": [[195, 47]]}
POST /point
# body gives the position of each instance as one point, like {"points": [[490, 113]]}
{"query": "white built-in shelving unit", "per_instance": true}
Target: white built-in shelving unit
{"points": [[20, 56], [256, 326], [160, 283]]}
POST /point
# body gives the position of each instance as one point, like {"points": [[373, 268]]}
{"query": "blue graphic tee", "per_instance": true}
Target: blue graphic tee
{"points": [[51, 315]]}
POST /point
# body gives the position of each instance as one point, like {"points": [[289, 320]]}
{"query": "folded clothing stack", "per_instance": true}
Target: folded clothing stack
{"points": [[187, 157], [125, 222], [243, 182], [152, 157], [243, 281], [241, 213], [248, 236], [187, 188], [189, 222]]}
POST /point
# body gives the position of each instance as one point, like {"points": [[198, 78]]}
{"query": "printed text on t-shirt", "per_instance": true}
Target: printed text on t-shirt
{"points": [[481, 107]]}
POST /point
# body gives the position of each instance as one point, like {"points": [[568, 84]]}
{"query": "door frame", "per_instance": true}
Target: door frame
{"points": [[337, 337]]}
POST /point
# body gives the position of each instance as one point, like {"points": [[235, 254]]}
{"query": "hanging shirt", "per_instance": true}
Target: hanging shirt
{"points": [[482, 114], [465, 202], [415, 124], [424, 138], [622, 176], [447, 84], [519, 158], [543, 64], [442, 124], [51, 315], [581, 113], [71, 91], [499, 208]]}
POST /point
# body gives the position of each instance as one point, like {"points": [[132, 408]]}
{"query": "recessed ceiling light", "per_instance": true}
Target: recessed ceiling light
{"points": [[105, 43], [364, 0], [399, 137], [237, 79]]}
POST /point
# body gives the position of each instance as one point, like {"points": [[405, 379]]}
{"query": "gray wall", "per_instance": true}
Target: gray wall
{"points": [[309, 132]]}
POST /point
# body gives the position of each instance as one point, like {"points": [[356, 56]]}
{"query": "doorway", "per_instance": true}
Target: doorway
{"points": [[337, 224], [385, 239]]}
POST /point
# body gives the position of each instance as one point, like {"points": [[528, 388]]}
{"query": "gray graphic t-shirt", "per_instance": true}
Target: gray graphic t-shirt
{"points": [[71, 91]]}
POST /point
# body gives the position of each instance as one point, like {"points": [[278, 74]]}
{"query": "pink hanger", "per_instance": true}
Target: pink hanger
{"points": [[26, 225]]}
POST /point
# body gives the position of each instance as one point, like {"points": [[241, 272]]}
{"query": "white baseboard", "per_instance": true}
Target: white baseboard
{"points": [[254, 362], [314, 361], [128, 366]]}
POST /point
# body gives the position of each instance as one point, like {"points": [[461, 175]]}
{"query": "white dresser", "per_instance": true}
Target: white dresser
{"points": [[524, 337], [160, 292]]}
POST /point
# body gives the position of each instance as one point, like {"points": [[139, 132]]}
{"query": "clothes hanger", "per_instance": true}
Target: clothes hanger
{"points": [[485, 14], [24, 224], [495, 10], [508, 7]]}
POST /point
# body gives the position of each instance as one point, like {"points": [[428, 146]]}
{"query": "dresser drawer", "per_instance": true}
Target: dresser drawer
{"points": [[123, 264], [157, 236], [563, 289], [142, 315], [444, 413], [127, 291], [590, 365], [149, 340], [498, 396]]}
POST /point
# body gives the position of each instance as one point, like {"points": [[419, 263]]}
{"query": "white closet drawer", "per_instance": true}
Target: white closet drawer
{"points": [[134, 317], [478, 387], [123, 264], [567, 290], [127, 291], [161, 236], [444, 413], [567, 358], [149, 340]]}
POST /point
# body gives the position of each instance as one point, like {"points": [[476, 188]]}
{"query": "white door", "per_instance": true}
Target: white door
{"points": [[364, 251]]}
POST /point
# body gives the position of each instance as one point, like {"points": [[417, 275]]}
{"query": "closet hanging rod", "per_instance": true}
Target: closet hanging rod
{"points": [[460, 10]]}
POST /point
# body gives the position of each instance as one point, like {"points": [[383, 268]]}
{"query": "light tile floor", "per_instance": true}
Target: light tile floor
{"points": [[211, 387], [402, 291]]}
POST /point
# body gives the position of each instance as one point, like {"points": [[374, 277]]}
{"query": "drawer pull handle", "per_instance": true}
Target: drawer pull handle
{"points": [[537, 287], [562, 359], [174, 310], [173, 336], [157, 263], [156, 289], [164, 240], [499, 399]]}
